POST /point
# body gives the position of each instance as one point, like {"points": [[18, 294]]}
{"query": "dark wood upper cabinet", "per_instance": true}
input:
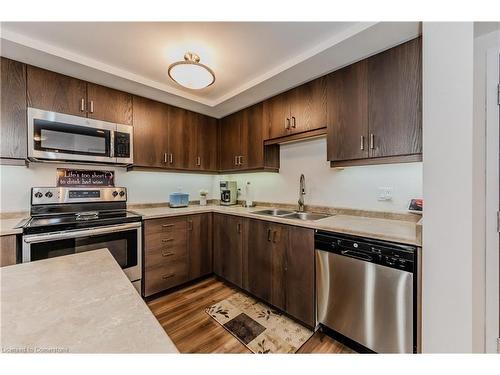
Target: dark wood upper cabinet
{"points": [[299, 281], [150, 133], [375, 109], [13, 126], [229, 142], [308, 106], [299, 110], [241, 142], [277, 116], [395, 100], [106, 104], [348, 113], [178, 138], [200, 245], [207, 143], [229, 241], [56, 92], [252, 137], [202, 142]]}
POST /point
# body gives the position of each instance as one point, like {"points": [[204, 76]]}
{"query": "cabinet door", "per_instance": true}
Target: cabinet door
{"points": [[259, 259], [56, 92], [8, 249], [395, 100], [207, 144], [13, 125], [300, 275], [252, 137], [280, 243], [277, 116], [229, 237], [348, 113], [150, 133], [308, 106], [178, 137], [200, 245], [229, 142], [110, 105], [191, 128]]}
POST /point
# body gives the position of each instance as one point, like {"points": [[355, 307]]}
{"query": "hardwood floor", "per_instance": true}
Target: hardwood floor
{"points": [[182, 315]]}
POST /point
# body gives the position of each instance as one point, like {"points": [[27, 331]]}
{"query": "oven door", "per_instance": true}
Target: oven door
{"points": [[123, 242], [56, 136]]}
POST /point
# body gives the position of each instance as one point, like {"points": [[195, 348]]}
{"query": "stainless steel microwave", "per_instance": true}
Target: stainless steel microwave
{"points": [[56, 136]]}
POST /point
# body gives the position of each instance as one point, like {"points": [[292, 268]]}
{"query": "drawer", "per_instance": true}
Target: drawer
{"points": [[158, 241], [165, 275], [165, 225], [161, 255]]}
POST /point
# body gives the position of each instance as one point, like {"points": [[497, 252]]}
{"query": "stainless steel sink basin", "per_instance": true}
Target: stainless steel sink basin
{"points": [[285, 214], [273, 212], [306, 216]]}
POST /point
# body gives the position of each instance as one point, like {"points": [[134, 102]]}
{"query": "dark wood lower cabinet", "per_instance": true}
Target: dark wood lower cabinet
{"points": [[176, 250], [267, 244], [200, 245], [300, 276], [229, 240], [8, 249], [281, 267], [274, 262]]}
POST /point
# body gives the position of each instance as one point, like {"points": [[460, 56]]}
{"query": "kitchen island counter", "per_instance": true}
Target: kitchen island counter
{"points": [[81, 303]]}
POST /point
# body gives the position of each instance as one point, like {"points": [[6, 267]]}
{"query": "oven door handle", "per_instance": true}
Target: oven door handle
{"points": [[36, 238]]}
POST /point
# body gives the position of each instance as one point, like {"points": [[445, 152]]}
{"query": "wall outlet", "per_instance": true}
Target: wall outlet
{"points": [[384, 193]]}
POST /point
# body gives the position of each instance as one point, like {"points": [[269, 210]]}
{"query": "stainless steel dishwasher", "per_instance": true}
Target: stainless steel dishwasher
{"points": [[365, 291]]}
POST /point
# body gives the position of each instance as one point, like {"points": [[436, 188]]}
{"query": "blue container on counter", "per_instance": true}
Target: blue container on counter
{"points": [[179, 200]]}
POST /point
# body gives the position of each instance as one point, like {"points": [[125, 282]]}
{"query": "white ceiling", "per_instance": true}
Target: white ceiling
{"points": [[251, 60]]}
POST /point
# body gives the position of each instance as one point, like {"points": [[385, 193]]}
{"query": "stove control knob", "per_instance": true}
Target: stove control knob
{"points": [[38, 194], [114, 193], [122, 193], [49, 194]]}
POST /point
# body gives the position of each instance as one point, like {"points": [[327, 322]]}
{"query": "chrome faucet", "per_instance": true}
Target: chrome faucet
{"points": [[302, 192]]}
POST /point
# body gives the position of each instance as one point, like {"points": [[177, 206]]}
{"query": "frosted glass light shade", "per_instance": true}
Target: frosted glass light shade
{"points": [[190, 73]]}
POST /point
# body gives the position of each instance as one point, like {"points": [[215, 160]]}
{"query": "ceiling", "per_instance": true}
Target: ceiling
{"points": [[251, 60]]}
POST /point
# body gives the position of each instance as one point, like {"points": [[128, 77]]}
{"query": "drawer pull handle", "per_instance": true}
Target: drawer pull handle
{"points": [[167, 240], [164, 277], [167, 254], [167, 225]]}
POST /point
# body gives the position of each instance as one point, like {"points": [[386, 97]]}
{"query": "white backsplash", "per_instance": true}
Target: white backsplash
{"points": [[355, 187]]}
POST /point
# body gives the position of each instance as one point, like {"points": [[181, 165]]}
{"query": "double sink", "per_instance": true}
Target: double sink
{"points": [[285, 214]]}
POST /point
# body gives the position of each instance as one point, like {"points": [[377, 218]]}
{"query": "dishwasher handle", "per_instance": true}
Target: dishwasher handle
{"points": [[357, 255]]}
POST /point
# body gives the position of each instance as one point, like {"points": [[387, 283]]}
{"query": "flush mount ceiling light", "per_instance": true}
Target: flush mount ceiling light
{"points": [[191, 73]]}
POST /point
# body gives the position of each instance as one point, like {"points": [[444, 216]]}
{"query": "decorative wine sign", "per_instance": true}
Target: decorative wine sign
{"points": [[83, 177]]}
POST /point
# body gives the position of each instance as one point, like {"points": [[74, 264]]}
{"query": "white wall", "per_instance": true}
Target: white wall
{"points": [[143, 187], [353, 187], [448, 187], [486, 305]]}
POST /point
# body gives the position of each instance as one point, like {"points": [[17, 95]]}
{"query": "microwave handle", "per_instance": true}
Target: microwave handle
{"points": [[112, 144], [36, 238]]}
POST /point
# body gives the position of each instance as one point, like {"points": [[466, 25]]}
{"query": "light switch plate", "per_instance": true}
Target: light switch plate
{"points": [[384, 193]]}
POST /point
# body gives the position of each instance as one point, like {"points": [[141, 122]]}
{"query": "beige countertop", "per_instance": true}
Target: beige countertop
{"points": [[81, 303], [7, 226], [401, 231]]}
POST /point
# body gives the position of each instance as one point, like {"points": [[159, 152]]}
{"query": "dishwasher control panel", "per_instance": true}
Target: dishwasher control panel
{"points": [[380, 252]]}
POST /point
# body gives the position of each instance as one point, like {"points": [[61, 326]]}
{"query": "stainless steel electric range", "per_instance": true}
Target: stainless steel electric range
{"points": [[67, 220]]}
